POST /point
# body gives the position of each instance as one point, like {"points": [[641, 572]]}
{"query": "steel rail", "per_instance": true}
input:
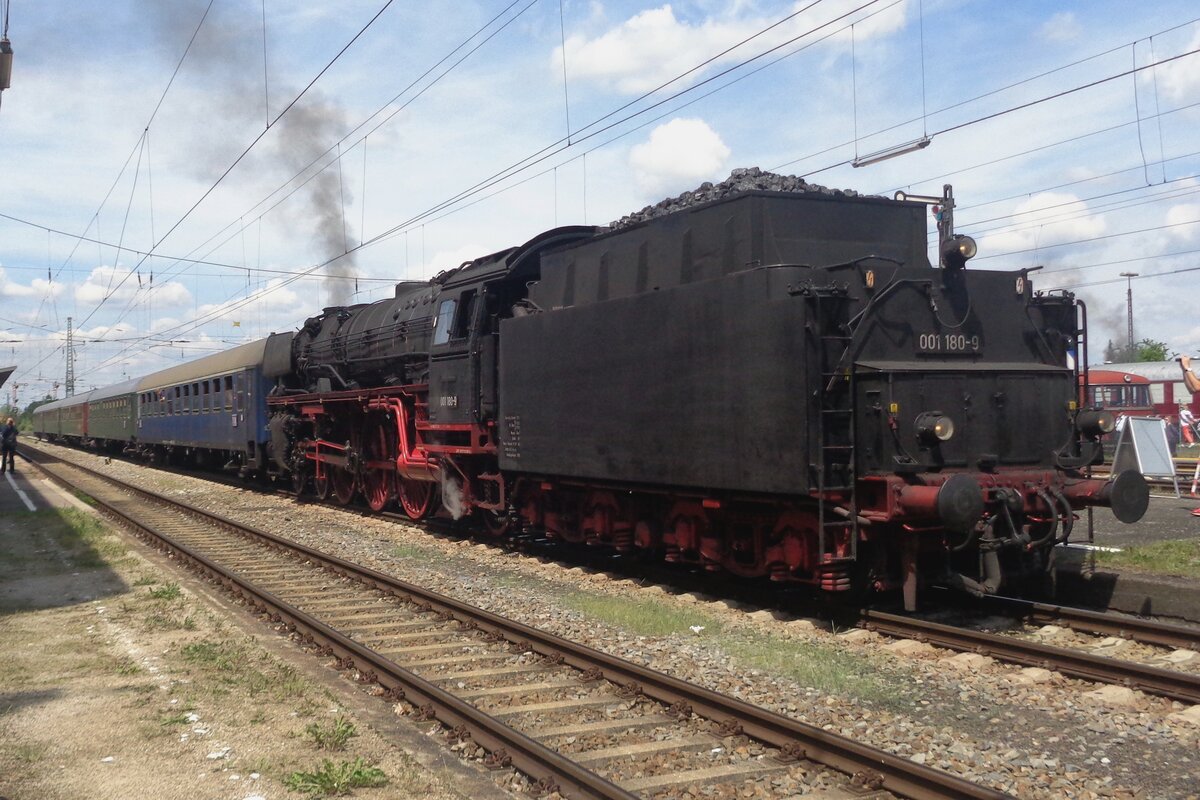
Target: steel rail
{"points": [[870, 767], [1154, 680], [1146, 631], [508, 746]]}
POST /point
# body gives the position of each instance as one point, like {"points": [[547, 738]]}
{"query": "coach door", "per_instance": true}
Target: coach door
{"points": [[235, 386]]}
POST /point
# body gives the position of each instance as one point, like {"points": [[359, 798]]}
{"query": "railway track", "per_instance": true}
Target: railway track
{"points": [[1146, 631], [572, 719], [1175, 685]]}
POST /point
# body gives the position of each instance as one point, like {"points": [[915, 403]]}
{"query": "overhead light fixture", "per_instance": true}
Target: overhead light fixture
{"points": [[892, 152]]}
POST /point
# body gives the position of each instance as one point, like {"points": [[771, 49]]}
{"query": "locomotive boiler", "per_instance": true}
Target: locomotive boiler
{"points": [[769, 384]]}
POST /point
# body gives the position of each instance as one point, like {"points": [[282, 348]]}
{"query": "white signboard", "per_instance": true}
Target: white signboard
{"points": [[1143, 447]]}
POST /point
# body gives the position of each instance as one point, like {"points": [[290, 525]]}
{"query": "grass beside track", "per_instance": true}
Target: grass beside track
{"points": [[827, 668], [1179, 557], [116, 680], [824, 667]]}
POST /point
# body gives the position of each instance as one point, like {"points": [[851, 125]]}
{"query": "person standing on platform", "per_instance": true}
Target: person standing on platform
{"points": [[1192, 382], [8, 446]]}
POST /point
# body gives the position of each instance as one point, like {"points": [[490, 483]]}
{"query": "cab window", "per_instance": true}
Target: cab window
{"points": [[445, 318]]}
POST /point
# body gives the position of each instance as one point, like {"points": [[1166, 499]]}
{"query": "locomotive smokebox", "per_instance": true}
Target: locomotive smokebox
{"points": [[6, 62]]}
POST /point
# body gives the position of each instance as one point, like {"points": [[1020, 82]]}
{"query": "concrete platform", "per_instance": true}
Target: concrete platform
{"points": [[1169, 518], [25, 489]]}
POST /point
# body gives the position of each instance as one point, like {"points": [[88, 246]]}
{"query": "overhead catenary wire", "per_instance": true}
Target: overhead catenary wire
{"points": [[362, 124], [306, 272], [196, 323], [145, 132], [377, 238], [397, 229], [246, 151], [1029, 104], [224, 307], [976, 203], [1088, 240], [212, 187], [984, 95]]}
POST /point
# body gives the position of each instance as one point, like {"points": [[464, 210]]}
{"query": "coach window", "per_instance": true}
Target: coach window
{"points": [[204, 393], [237, 396], [445, 319], [228, 392], [195, 398], [216, 394]]}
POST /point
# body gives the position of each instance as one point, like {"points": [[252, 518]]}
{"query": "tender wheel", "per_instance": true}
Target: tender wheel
{"points": [[416, 497], [496, 524], [344, 484]]}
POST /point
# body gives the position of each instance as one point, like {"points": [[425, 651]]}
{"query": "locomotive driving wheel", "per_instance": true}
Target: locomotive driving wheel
{"points": [[344, 484], [416, 497], [300, 476], [377, 483], [321, 482]]}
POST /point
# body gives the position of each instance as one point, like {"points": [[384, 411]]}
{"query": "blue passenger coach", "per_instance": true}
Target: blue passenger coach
{"points": [[210, 412]]}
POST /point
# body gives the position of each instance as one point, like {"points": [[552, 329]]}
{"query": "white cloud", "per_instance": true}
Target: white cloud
{"points": [[1045, 219], [118, 284], [678, 155], [277, 306], [1061, 27], [38, 287], [1179, 80], [654, 46], [105, 331], [1181, 215]]}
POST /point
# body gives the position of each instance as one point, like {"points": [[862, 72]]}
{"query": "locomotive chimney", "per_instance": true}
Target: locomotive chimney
{"points": [[6, 61]]}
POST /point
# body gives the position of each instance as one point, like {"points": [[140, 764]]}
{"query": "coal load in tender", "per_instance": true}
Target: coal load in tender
{"points": [[739, 181]]}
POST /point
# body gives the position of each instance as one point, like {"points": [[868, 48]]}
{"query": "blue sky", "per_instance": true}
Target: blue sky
{"points": [[1087, 182]]}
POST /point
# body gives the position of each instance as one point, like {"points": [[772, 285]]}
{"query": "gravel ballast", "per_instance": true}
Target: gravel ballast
{"points": [[1025, 731]]}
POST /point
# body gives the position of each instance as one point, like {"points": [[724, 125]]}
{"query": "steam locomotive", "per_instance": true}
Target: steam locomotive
{"points": [[769, 384]]}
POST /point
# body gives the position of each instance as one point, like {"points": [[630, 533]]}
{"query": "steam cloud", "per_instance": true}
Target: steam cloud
{"points": [[303, 135], [228, 55], [452, 496]]}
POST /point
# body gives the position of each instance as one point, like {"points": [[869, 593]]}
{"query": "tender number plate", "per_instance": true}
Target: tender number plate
{"points": [[948, 343]]}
